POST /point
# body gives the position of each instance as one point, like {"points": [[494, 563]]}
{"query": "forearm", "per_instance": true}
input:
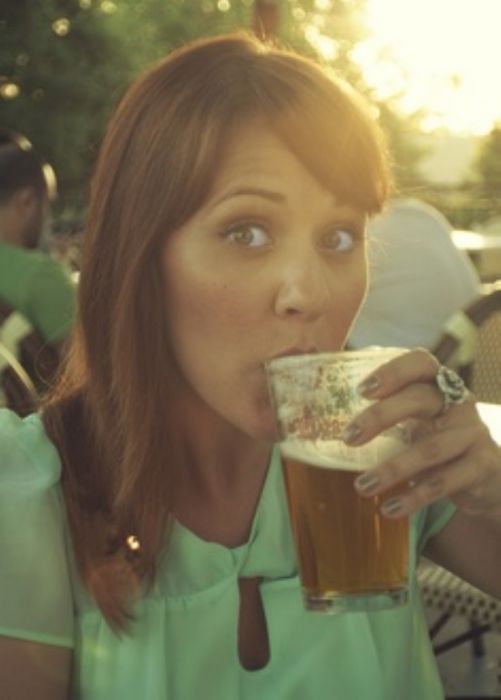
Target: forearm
{"points": [[470, 547], [30, 670]]}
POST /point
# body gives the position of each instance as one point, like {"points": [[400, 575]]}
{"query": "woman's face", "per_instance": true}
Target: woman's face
{"points": [[271, 264]]}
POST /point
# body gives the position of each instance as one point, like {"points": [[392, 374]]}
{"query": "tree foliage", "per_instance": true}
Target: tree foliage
{"points": [[488, 165], [71, 60], [62, 58]]}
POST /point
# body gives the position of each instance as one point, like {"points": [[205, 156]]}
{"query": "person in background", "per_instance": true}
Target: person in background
{"points": [[31, 282], [418, 278], [146, 548]]}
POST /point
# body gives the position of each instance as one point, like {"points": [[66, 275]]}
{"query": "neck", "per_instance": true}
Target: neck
{"points": [[214, 456], [218, 459], [220, 472]]}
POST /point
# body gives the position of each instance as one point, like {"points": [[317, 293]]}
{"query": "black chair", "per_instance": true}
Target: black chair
{"points": [[17, 391], [27, 362], [470, 344]]}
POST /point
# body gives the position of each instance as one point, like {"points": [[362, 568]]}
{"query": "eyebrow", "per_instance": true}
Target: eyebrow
{"points": [[276, 197], [250, 191]]}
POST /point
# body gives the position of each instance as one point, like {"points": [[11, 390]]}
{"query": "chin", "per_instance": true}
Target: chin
{"points": [[265, 428]]}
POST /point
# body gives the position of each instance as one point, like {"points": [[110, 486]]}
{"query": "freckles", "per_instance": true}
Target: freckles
{"points": [[221, 303]]}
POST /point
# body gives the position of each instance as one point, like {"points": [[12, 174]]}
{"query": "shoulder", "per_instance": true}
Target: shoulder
{"points": [[409, 221], [47, 270], [27, 456], [37, 593], [50, 299], [21, 258]]}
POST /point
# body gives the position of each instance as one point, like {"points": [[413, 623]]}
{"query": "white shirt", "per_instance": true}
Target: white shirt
{"points": [[418, 278]]}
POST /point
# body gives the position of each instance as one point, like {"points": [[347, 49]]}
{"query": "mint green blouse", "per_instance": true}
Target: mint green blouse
{"points": [[184, 640]]}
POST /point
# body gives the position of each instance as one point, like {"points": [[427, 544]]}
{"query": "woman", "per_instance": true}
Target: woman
{"points": [[150, 554]]}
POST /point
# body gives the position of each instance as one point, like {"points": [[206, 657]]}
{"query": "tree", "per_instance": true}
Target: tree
{"points": [[64, 64], [60, 62], [488, 165], [486, 188]]}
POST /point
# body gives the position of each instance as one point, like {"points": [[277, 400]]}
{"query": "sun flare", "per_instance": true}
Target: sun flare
{"points": [[442, 56]]}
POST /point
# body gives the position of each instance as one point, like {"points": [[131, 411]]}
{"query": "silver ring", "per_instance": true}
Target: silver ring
{"points": [[451, 386]]}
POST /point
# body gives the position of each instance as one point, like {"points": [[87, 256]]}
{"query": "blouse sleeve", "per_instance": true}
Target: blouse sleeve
{"points": [[35, 590], [432, 519]]}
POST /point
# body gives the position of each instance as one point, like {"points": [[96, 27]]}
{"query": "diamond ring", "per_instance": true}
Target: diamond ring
{"points": [[451, 386]]}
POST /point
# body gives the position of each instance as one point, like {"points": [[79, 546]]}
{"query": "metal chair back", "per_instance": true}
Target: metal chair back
{"points": [[471, 344], [27, 362]]}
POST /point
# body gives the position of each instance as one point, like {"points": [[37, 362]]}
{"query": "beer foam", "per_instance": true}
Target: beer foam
{"points": [[335, 454]]}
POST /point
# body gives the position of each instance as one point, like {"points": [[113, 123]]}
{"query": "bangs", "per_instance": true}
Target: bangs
{"points": [[328, 126], [341, 148]]}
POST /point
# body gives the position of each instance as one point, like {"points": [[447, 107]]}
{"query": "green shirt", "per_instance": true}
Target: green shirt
{"points": [[184, 640], [38, 287]]}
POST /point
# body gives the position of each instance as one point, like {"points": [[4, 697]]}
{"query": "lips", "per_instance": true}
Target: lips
{"points": [[295, 351]]}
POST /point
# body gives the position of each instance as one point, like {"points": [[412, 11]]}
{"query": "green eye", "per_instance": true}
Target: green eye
{"points": [[339, 240], [248, 235]]}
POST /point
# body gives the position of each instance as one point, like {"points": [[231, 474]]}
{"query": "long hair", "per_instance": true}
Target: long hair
{"points": [[109, 413]]}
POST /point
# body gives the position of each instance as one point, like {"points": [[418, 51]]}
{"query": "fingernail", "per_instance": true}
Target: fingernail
{"points": [[369, 385], [393, 506], [351, 433], [367, 482]]}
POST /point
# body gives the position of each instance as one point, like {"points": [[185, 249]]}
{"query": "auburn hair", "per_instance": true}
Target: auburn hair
{"points": [[109, 413]]}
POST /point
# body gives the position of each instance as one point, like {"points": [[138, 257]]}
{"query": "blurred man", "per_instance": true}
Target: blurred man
{"points": [[37, 295], [418, 278], [31, 282]]}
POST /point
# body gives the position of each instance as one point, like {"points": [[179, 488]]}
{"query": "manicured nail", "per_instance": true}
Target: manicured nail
{"points": [[393, 506], [369, 385], [367, 482], [351, 433]]}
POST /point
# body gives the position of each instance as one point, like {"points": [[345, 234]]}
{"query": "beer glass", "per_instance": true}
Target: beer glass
{"points": [[351, 558]]}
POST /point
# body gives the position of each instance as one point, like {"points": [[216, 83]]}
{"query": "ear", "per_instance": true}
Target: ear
{"points": [[24, 200]]}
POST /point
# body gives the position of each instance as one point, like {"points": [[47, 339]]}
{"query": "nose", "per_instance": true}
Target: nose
{"points": [[305, 288]]}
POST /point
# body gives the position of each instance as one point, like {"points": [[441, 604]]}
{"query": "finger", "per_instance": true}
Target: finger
{"points": [[421, 401], [410, 464], [410, 367], [467, 481], [415, 401]]}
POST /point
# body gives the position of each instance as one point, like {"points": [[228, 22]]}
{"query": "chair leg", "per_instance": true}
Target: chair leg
{"points": [[473, 633], [477, 642], [438, 624]]}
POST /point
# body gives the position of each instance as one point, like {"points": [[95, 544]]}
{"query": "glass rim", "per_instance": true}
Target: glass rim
{"points": [[317, 357]]}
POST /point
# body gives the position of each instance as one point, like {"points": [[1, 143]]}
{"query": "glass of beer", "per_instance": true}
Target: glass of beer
{"points": [[350, 557]]}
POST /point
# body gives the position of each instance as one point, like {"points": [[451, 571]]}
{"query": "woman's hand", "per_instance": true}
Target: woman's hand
{"points": [[452, 454]]}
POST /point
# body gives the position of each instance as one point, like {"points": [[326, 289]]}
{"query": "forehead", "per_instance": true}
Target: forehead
{"points": [[250, 149], [255, 157]]}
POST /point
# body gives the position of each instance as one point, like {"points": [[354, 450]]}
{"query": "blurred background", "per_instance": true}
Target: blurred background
{"points": [[430, 68]]}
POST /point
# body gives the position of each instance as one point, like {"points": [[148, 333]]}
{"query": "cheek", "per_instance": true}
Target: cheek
{"points": [[350, 293], [209, 311]]}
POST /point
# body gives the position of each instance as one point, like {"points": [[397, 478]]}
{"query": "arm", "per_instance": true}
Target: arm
{"points": [[36, 595], [30, 670], [51, 299], [456, 548]]}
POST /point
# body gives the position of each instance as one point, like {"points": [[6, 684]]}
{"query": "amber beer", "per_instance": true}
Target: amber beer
{"points": [[350, 557], [346, 548]]}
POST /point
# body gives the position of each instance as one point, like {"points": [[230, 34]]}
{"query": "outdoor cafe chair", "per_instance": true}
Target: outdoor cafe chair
{"points": [[17, 391], [27, 362], [471, 344]]}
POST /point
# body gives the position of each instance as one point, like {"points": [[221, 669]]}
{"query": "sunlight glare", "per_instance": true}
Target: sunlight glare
{"points": [[440, 55]]}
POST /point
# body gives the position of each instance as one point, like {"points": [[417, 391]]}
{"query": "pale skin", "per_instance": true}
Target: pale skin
{"points": [[272, 261]]}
